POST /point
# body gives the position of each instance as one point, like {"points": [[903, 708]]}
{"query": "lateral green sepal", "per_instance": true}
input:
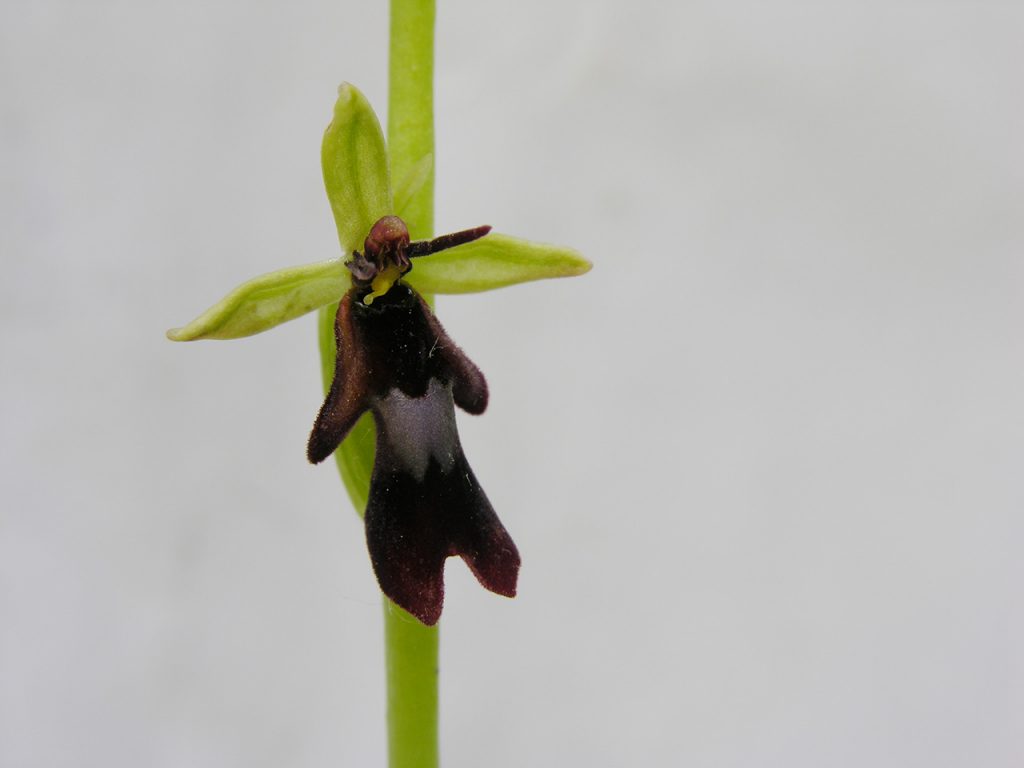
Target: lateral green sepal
{"points": [[268, 300], [492, 262]]}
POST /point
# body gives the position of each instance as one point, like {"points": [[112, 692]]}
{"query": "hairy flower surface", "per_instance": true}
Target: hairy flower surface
{"points": [[395, 360]]}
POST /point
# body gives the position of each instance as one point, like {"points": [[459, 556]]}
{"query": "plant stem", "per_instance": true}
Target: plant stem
{"points": [[411, 105], [411, 661], [411, 648]]}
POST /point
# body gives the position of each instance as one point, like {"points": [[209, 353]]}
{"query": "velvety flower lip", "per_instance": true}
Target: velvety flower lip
{"points": [[380, 351], [395, 360]]}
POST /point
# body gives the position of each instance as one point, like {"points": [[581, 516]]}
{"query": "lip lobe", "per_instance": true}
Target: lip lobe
{"points": [[425, 504]]}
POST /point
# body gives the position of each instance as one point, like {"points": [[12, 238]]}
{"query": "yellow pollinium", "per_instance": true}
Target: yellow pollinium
{"points": [[382, 283]]}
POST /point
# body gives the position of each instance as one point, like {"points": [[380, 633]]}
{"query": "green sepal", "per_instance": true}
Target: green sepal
{"points": [[492, 262], [355, 166], [268, 300]]}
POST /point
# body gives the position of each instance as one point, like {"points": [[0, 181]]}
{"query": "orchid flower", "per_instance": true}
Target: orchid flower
{"points": [[395, 361]]}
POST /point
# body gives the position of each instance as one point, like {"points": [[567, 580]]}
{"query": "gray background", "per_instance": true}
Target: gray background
{"points": [[763, 463]]}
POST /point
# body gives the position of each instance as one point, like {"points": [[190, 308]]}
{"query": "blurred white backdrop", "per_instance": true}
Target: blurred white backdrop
{"points": [[763, 463]]}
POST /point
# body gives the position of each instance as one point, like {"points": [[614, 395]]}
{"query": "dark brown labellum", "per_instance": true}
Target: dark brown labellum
{"points": [[395, 360]]}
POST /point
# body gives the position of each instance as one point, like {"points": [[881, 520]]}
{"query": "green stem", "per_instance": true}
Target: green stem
{"points": [[411, 106], [411, 647], [411, 661]]}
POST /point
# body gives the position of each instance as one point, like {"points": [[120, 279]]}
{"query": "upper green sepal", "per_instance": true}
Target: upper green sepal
{"points": [[491, 262], [355, 166], [268, 300]]}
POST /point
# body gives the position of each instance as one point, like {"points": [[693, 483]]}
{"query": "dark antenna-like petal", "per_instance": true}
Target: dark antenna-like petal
{"points": [[444, 242]]}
